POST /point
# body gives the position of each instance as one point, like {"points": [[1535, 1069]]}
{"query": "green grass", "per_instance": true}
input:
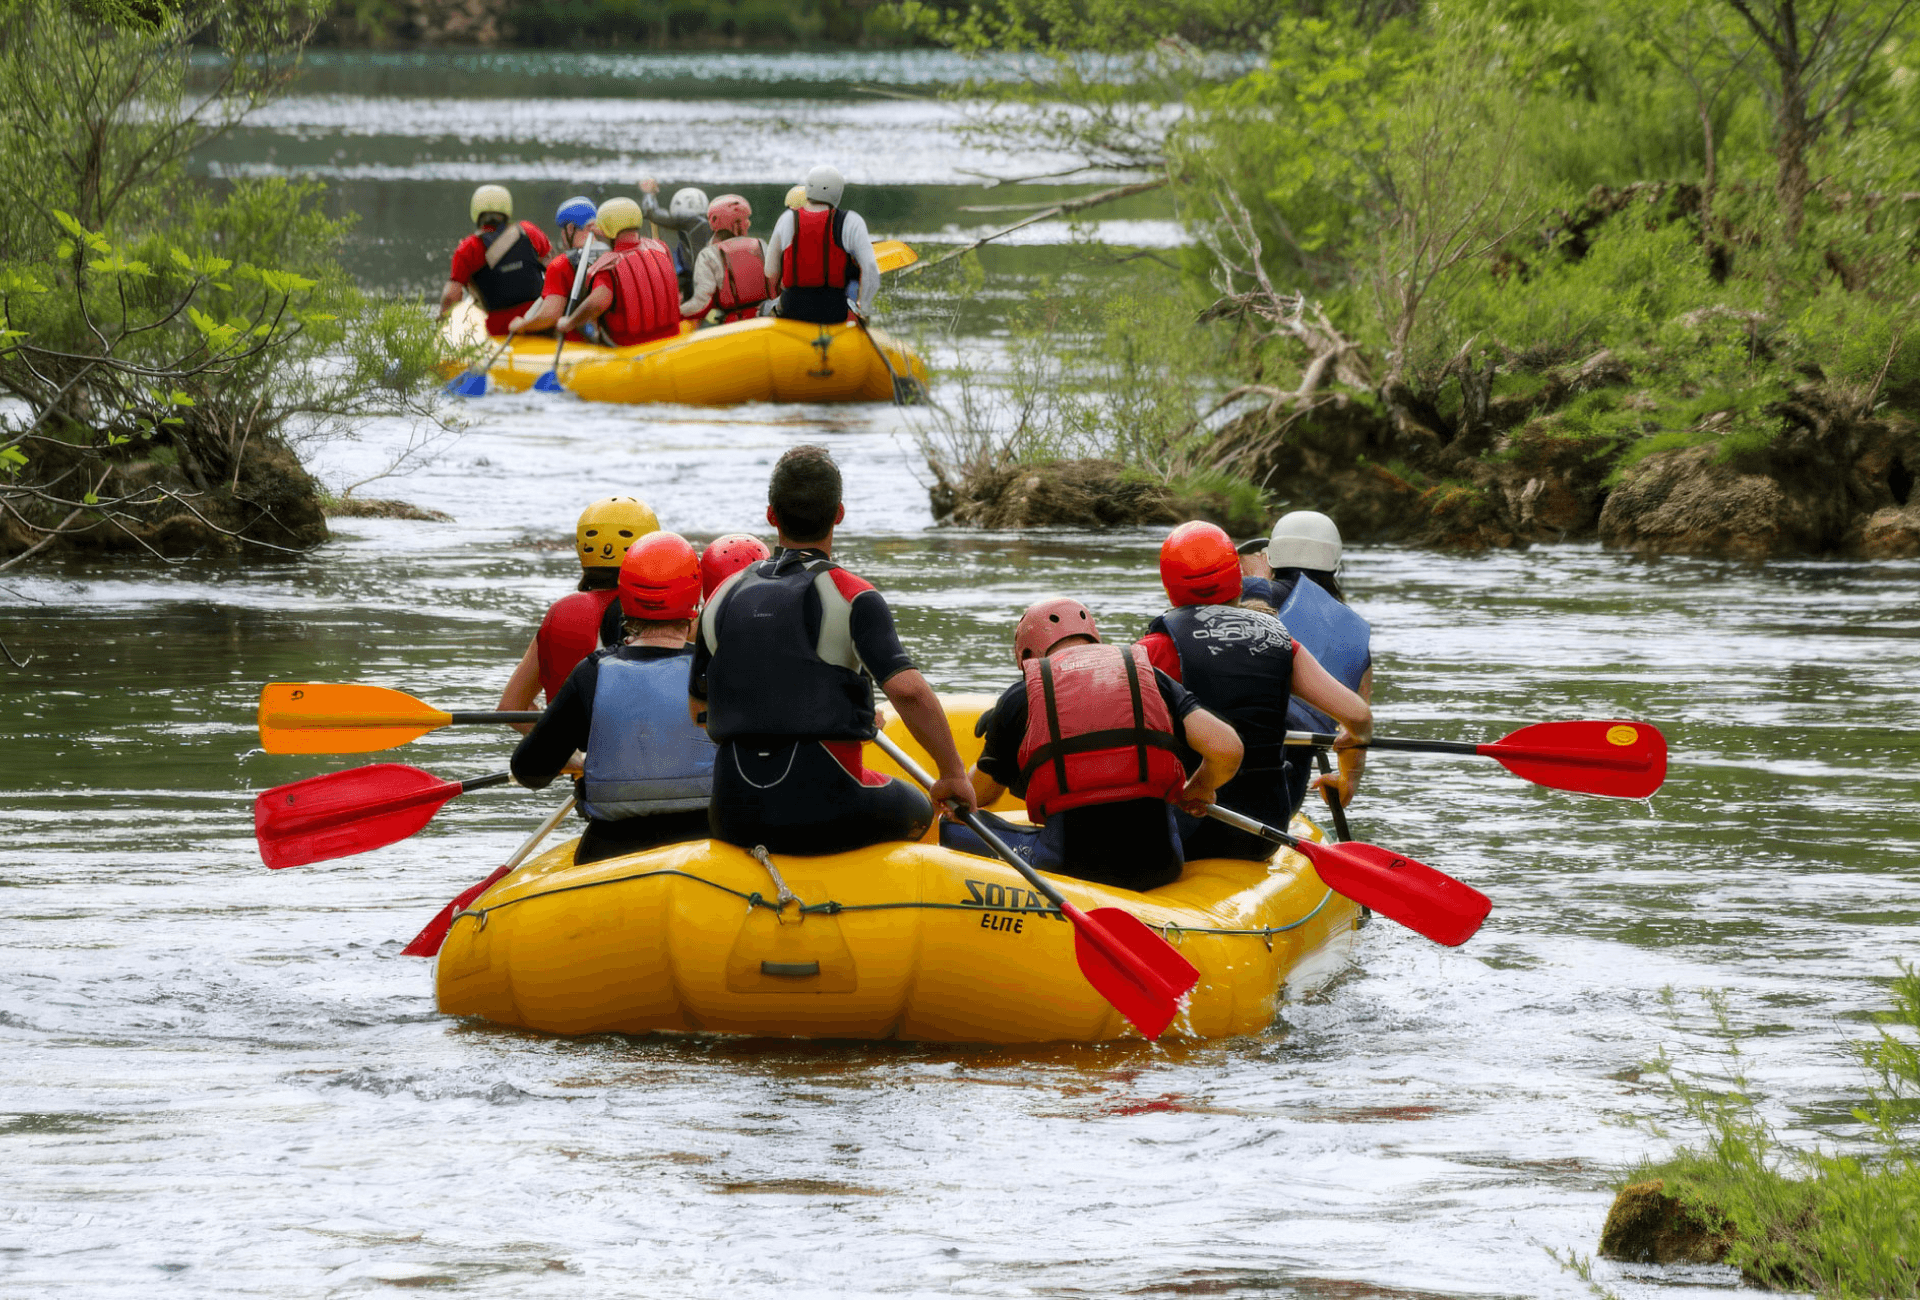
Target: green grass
{"points": [[1836, 1224]]}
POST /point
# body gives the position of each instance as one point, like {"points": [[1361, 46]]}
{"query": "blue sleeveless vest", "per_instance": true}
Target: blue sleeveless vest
{"points": [[644, 755], [1333, 634]]}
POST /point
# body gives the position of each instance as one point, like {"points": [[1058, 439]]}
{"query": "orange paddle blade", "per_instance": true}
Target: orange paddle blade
{"points": [[321, 718], [891, 254]]}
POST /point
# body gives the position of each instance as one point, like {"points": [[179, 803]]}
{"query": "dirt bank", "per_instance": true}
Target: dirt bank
{"points": [[1090, 494], [1573, 459], [165, 505]]}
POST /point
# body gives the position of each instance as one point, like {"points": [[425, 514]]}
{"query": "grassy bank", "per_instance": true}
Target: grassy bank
{"points": [[614, 24], [1791, 1218]]}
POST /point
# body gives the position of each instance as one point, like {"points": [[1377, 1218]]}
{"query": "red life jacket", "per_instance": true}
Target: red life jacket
{"points": [[569, 633], [1097, 731], [646, 292], [814, 257], [743, 278]]}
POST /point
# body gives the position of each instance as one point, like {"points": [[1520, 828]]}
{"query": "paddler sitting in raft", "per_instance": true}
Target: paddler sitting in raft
{"points": [[572, 628], [816, 250], [729, 276], [1294, 574], [574, 221], [501, 264], [724, 557], [685, 215], [1094, 738], [649, 770], [787, 655], [634, 295], [1244, 667]]}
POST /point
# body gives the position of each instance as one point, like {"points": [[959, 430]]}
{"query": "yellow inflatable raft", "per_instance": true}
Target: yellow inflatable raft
{"points": [[763, 360], [906, 941]]}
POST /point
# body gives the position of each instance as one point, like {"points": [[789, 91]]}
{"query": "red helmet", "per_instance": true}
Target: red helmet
{"points": [[729, 215], [660, 579], [728, 555], [1049, 622], [1198, 566]]}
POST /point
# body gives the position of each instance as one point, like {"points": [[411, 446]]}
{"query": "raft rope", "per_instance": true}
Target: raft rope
{"points": [[754, 898]]}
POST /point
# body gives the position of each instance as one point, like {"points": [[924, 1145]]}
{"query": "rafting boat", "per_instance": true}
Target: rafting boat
{"points": [[907, 941], [761, 360]]}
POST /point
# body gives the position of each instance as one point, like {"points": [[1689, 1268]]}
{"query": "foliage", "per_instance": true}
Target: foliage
{"points": [[615, 23], [1845, 1225], [1419, 205], [149, 322]]}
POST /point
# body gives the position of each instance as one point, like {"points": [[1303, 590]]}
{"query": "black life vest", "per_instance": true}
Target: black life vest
{"points": [[518, 278], [767, 678], [1239, 665], [814, 268]]}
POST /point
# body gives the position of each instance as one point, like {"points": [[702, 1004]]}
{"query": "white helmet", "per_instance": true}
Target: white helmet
{"points": [[1304, 539], [490, 198], [825, 185], [688, 203]]}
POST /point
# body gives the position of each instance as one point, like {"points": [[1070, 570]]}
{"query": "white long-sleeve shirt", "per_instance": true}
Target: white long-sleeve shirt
{"points": [[853, 238]]}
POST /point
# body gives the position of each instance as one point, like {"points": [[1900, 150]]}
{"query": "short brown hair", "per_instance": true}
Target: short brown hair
{"points": [[641, 626], [805, 493]]}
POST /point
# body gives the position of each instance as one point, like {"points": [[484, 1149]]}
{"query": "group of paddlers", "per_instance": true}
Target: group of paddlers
{"points": [[728, 694], [612, 284]]}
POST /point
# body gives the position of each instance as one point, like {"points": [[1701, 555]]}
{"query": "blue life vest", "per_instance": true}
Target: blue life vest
{"points": [[1239, 665], [644, 755], [1333, 634], [769, 679]]}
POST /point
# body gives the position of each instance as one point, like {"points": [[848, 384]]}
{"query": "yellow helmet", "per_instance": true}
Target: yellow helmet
{"points": [[797, 197], [490, 198], [609, 526], [617, 215]]}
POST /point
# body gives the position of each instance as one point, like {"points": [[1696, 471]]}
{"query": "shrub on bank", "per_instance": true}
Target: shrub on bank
{"points": [[1843, 1225]]}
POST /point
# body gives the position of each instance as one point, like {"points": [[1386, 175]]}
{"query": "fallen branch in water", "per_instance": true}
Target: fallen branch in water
{"points": [[1058, 209]]}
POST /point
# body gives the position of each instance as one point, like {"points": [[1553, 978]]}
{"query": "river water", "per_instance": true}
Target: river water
{"points": [[220, 1081]]}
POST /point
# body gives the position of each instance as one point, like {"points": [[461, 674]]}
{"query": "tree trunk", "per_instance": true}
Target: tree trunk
{"points": [[1796, 135]]}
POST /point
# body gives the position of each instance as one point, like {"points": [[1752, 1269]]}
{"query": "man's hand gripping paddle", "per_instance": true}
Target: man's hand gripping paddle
{"points": [[1128, 964]]}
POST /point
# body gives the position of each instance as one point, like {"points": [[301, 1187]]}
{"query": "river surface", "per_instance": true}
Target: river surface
{"points": [[220, 1081]]}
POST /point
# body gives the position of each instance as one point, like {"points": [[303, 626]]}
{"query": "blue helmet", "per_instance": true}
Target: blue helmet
{"points": [[576, 211]]}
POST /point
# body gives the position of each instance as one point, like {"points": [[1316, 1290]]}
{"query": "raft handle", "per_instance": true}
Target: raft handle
{"points": [[790, 969]]}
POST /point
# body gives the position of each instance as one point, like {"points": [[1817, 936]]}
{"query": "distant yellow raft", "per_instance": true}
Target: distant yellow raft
{"points": [[907, 941], [763, 360]]}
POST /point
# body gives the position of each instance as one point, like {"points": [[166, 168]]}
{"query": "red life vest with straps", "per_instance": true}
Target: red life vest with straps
{"points": [[1097, 731], [743, 278], [814, 258], [646, 292], [569, 633]]}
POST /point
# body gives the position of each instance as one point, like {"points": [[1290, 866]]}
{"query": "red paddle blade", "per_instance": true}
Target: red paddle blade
{"points": [[1130, 966], [427, 942], [344, 813], [1400, 889], [1627, 760]]}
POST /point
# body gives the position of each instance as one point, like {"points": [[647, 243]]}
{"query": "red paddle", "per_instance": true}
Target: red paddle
{"points": [[1400, 889], [427, 942], [343, 813], [1128, 964], [1626, 760]]}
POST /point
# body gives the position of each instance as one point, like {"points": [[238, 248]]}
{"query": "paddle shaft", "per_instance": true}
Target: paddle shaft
{"points": [[1499, 750], [1332, 796], [573, 298], [881, 352], [978, 826], [1242, 822], [414, 798]]}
